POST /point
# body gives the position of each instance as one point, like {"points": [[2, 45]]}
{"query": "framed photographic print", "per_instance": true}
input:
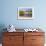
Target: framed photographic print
{"points": [[25, 13]]}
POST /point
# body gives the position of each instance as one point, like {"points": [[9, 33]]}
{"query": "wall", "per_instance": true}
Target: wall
{"points": [[9, 13]]}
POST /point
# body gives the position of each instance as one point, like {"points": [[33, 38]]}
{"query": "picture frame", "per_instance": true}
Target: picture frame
{"points": [[25, 13]]}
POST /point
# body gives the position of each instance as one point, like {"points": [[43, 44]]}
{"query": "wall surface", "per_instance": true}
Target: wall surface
{"points": [[9, 13]]}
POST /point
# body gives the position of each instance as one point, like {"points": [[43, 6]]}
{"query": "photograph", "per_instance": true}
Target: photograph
{"points": [[25, 13]]}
